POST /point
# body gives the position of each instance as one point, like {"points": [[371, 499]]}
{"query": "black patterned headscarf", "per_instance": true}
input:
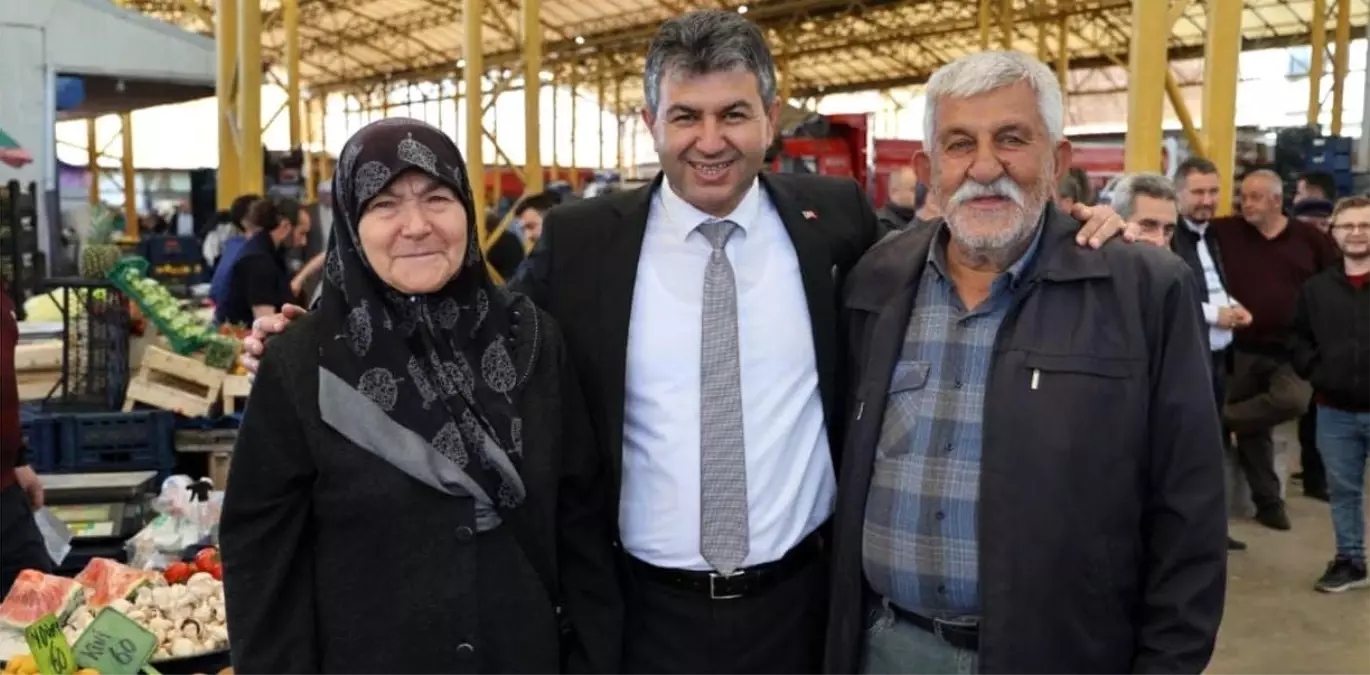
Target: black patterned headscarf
{"points": [[440, 366]]}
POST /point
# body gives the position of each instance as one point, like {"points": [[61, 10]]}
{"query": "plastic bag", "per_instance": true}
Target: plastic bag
{"points": [[188, 515], [56, 534]]}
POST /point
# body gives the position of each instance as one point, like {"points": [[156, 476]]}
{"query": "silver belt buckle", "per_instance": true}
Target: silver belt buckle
{"points": [[713, 589]]}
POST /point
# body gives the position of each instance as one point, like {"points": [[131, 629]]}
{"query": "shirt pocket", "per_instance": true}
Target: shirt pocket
{"points": [[904, 403]]}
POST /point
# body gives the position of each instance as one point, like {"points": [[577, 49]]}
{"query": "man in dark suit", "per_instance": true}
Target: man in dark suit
{"points": [[701, 315], [1032, 477], [1196, 187]]}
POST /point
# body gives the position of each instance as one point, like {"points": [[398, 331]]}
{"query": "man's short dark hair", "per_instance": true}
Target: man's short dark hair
{"points": [[541, 202], [1197, 165], [264, 215], [289, 209], [708, 41], [1322, 181], [239, 208]]}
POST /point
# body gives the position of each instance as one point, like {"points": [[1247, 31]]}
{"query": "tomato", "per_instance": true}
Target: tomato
{"points": [[178, 573], [207, 560]]}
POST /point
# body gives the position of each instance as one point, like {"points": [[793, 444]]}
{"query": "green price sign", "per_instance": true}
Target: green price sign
{"points": [[49, 647], [114, 645]]}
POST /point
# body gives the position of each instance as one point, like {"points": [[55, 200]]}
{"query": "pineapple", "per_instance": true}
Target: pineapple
{"points": [[98, 254]]}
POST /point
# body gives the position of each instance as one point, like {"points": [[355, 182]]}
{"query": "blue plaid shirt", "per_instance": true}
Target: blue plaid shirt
{"points": [[919, 547]]}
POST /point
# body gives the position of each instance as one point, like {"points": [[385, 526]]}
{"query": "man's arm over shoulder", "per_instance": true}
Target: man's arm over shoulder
{"points": [[1184, 523]]}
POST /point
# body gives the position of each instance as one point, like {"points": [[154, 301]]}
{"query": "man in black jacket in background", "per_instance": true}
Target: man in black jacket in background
{"points": [[1330, 347]]}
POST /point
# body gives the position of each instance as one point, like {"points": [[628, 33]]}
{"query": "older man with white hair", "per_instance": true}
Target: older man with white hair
{"points": [[1147, 201], [1032, 473]]}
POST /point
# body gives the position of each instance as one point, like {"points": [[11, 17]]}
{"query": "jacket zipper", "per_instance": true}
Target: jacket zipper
{"points": [[1007, 325]]}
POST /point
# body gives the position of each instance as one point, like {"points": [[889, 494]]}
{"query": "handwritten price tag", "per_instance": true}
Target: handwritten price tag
{"points": [[114, 645], [49, 647]]}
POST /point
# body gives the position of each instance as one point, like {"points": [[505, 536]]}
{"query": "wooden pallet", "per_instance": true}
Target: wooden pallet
{"points": [[38, 356], [177, 383], [235, 387], [218, 469]]}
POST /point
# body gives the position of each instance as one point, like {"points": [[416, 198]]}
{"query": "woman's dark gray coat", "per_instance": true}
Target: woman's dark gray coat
{"points": [[338, 562]]}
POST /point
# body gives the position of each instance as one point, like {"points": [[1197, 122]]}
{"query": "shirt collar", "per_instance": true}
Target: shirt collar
{"points": [[681, 217], [937, 255], [1196, 228]]}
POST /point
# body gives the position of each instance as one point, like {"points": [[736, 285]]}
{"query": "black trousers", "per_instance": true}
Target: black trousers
{"points": [[668, 630], [1314, 475], [21, 544]]}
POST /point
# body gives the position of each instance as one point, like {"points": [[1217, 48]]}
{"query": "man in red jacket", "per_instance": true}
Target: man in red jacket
{"points": [[21, 545]]}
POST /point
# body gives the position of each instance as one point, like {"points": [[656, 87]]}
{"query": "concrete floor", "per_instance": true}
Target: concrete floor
{"points": [[1275, 622]]}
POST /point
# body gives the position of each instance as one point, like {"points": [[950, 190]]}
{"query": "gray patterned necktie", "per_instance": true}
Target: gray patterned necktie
{"points": [[723, 466]]}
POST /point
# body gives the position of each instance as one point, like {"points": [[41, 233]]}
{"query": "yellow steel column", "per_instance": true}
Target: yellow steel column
{"points": [[532, 97], [1318, 50], [472, 11], [1146, 92], [556, 105], [1220, 92], [618, 121], [1177, 103], [131, 227], [575, 167], [311, 176], [1006, 24], [1340, 63], [1041, 26], [226, 91], [599, 104], [93, 160], [251, 172], [786, 82], [1062, 53], [984, 25], [290, 10]]}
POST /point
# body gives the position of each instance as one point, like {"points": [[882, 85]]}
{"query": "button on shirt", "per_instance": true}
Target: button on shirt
{"points": [[1218, 338], [920, 545], [790, 480]]}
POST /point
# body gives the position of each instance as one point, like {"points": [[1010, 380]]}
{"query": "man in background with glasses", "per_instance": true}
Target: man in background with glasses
{"points": [[1330, 347]]}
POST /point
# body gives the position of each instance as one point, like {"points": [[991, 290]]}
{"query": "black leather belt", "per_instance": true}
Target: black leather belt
{"points": [[958, 635], [743, 583]]}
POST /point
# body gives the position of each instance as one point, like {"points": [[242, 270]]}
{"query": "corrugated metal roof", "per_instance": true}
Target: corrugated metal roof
{"points": [[829, 46]]}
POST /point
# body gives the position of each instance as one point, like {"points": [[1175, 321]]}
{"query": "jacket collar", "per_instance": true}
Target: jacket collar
{"points": [[1058, 259]]}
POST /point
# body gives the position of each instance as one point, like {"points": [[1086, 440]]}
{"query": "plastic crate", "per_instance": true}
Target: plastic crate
{"points": [[171, 250], [39, 432], [124, 441], [122, 276]]}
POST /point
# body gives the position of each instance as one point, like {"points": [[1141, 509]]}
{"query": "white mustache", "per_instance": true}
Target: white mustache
{"points": [[1001, 187]]}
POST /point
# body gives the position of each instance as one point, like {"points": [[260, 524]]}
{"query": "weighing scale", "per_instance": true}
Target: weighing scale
{"points": [[102, 510]]}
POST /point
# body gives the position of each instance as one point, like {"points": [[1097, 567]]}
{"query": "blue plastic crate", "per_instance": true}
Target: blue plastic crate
{"points": [[40, 433], [131, 441], [171, 250]]}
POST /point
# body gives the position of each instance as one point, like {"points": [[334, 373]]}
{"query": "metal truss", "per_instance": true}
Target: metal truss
{"points": [[822, 46]]}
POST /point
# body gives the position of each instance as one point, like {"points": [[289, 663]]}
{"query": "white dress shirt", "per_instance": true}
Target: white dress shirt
{"points": [[1218, 337], [790, 480]]}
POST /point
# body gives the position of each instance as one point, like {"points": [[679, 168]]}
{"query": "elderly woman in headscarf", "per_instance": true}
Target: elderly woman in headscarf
{"points": [[415, 488]]}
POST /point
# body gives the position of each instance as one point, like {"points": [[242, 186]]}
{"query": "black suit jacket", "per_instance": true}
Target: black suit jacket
{"points": [[1186, 245], [584, 268]]}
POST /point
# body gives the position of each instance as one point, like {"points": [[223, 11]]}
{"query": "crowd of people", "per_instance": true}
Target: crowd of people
{"points": [[740, 422]]}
